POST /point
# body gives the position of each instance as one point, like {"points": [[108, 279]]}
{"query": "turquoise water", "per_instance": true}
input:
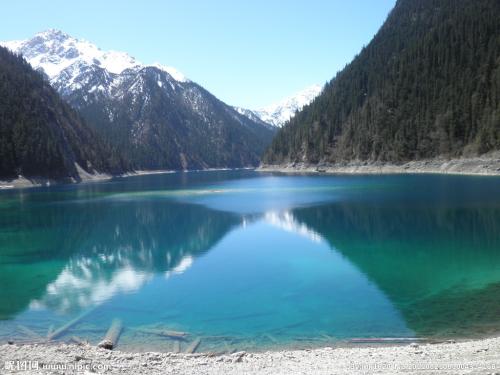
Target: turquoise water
{"points": [[252, 261]]}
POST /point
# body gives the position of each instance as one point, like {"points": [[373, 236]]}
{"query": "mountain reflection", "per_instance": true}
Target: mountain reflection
{"points": [[286, 221], [79, 255], [439, 266], [428, 257]]}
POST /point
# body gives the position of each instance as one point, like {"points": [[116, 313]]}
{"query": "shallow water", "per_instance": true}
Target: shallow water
{"points": [[251, 261]]}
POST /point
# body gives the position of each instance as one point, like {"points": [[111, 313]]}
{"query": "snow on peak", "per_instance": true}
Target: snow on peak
{"points": [[53, 51], [52, 34], [178, 76], [278, 113]]}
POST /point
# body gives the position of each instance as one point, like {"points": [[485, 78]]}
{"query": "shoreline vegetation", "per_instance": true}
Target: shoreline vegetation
{"points": [[473, 356], [485, 165]]}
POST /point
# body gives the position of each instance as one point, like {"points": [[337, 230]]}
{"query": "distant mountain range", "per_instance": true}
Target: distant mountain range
{"points": [[152, 114], [279, 113], [426, 86]]}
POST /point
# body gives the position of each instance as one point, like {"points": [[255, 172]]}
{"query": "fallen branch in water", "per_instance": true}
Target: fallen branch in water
{"points": [[194, 345], [112, 336], [29, 332], [175, 335], [60, 331]]}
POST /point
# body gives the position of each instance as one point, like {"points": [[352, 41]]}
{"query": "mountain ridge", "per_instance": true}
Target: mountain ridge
{"points": [[151, 113], [74, 50]]}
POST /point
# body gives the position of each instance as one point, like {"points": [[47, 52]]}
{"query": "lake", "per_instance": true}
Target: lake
{"points": [[252, 261]]}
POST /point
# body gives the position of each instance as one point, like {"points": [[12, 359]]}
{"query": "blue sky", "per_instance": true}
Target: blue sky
{"points": [[248, 53]]}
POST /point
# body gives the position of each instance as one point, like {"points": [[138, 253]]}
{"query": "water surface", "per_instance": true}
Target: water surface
{"points": [[250, 261]]}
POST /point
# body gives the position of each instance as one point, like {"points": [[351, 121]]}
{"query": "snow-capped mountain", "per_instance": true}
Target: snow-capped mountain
{"points": [[252, 115], [278, 113], [152, 113], [54, 51]]}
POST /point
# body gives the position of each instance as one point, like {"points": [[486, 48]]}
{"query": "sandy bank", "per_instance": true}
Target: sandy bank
{"points": [[471, 357], [487, 165]]}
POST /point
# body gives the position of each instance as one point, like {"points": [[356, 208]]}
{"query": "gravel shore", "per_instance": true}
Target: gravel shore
{"points": [[471, 357], [486, 165], [23, 182]]}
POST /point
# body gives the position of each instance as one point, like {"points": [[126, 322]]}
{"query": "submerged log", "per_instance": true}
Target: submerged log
{"points": [[226, 347], [287, 327], [60, 331], [194, 345], [270, 338], [112, 336], [29, 332], [31, 342], [50, 330], [177, 347], [387, 339], [219, 337], [175, 335]]}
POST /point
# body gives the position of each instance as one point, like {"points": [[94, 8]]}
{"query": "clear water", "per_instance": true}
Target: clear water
{"points": [[249, 261]]}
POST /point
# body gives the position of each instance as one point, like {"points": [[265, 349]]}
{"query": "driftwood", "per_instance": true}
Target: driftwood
{"points": [[194, 345], [60, 331], [112, 336]]}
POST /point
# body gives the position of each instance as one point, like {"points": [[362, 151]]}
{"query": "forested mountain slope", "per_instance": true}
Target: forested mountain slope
{"points": [[40, 135], [427, 85]]}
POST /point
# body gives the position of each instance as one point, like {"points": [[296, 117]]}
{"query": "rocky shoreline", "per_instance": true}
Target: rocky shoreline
{"points": [[84, 177], [486, 165], [468, 357]]}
